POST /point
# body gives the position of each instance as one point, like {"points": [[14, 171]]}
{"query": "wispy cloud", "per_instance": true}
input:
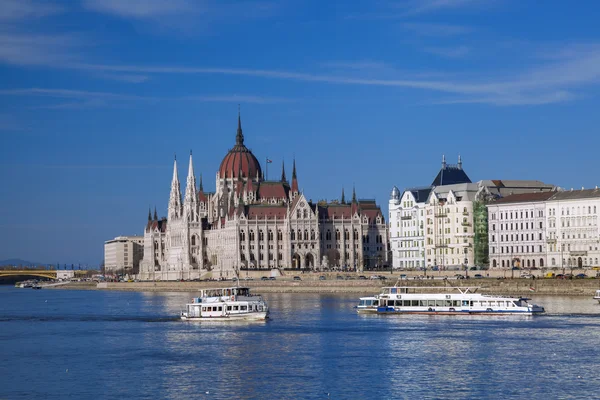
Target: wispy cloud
{"points": [[13, 10], [430, 29], [37, 49], [417, 7], [143, 9], [548, 83], [81, 99], [450, 52]]}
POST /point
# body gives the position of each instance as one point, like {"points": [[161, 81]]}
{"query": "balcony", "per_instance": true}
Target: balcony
{"points": [[404, 217], [465, 213], [442, 214], [465, 223], [441, 245], [550, 240]]}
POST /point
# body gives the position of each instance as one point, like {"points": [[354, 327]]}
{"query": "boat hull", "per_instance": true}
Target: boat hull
{"points": [[532, 311], [255, 316]]}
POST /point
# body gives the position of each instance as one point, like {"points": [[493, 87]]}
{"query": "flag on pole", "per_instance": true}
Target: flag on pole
{"points": [[269, 161]]}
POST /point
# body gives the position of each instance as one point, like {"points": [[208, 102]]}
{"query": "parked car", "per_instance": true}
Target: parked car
{"points": [[459, 276], [272, 278], [478, 276], [339, 278], [264, 278], [362, 277], [297, 278], [322, 278], [560, 276], [580, 276], [248, 278], [526, 276]]}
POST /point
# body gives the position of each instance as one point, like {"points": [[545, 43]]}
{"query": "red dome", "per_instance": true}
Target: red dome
{"points": [[239, 160]]}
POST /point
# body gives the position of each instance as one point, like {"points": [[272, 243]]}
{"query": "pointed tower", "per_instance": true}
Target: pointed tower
{"points": [[190, 204], [294, 180], [200, 187], [149, 214], [443, 161], [283, 178], [353, 194], [459, 162], [175, 197], [343, 197], [155, 214]]}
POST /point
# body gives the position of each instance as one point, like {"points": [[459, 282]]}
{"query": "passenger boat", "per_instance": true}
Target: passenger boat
{"points": [[597, 295], [367, 304], [226, 304], [450, 301]]}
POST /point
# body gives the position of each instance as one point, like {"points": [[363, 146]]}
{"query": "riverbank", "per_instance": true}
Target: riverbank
{"points": [[512, 287]]}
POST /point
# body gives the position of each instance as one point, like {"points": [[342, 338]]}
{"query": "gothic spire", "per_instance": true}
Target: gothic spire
{"points": [[444, 161], [353, 194], [283, 178], [155, 214], [343, 197], [294, 179], [149, 214], [189, 204], [201, 187], [459, 162], [175, 197], [239, 138]]}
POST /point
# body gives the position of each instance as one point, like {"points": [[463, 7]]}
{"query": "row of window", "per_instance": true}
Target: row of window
{"points": [[518, 215], [574, 210], [524, 237], [515, 249]]}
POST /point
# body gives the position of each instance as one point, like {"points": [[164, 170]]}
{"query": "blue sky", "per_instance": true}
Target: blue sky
{"points": [[96, 96]]}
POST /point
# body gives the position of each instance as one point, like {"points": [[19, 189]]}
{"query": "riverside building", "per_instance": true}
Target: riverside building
{"points": [[123, 254], [445, 225], [517, 231], [573, 230], [250, 223]]}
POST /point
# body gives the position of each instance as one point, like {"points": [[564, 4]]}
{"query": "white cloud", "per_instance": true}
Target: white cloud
{"points": [[142, 9], [428, 29], [450, 52], [37, 49], [12, 10], [417, 7]]}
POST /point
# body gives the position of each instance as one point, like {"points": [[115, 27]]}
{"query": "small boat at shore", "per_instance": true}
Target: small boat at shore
{"points": [[597, 295], [226, 304], [447, 301]]}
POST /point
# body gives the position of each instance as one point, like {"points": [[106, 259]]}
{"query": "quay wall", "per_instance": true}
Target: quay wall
{"points": [[516, 287]]}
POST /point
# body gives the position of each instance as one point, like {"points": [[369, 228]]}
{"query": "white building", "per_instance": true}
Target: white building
{"points": [[449, 234], [573, 230], [123, 253], [250, 223], [517, 231], [407, 240]]}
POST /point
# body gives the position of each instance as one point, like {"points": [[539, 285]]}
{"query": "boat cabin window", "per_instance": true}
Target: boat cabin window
{"points": [[500, 304], [243, 308], [431, 303], [228, 308], [439, 303], [235, 308]]}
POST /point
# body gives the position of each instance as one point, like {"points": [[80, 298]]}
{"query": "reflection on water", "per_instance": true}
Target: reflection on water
{"points": [[87, 344]]}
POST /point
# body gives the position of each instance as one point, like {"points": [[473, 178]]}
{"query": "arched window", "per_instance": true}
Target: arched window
{"points": [[305, 213], [528, 263], [298, 214], [346, 235], [553, 262], [242, 236], [293, 234], [337, 234], [306, 234], [541, 262], [193, 240], [279, 235], [355, 234], [533, 263], [502, 263], [251, 235], [494, 264], [261, 235], [312, 234]]}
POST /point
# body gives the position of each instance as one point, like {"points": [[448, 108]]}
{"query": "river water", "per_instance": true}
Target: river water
{"points": [[58, 344]]}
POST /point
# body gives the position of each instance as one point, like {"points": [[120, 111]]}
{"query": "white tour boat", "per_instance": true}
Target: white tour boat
{"points": [[367, 304], [226, 304], [450, 301], [597, 295]]}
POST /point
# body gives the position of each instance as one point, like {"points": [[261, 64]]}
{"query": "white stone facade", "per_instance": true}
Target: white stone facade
{"points": [[517, 231], [249, 223], [449, 234], [407, 238], [573, 229]]}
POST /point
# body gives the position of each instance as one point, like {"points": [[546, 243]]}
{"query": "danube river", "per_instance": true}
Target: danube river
{"points": [[57, 344]]}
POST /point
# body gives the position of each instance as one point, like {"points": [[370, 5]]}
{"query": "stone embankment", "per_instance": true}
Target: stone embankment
{"points": [[310, 284]]}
